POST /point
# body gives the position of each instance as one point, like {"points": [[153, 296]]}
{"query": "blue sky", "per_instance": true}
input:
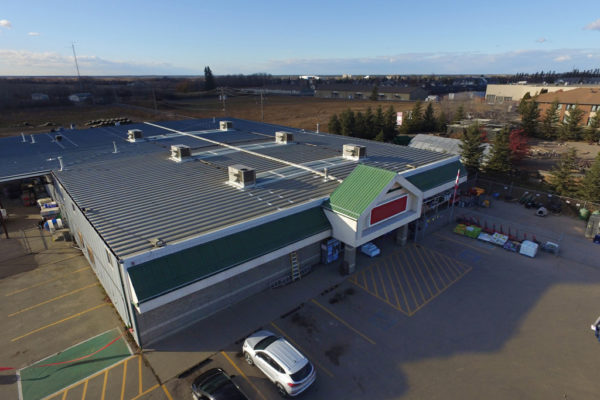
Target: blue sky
{"points": [[293, 37]]}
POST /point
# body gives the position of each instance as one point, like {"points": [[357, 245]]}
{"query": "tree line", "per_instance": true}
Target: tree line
{"points": [[375, 125], [549, 127]]}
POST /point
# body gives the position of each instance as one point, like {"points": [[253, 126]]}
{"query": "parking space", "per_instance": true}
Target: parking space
{"points": [[128, 379], [410, 277], [51, 301]]}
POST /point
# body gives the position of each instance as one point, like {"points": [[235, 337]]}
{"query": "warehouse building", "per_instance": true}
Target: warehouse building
{"points": [[181, 219], [363, 92]]}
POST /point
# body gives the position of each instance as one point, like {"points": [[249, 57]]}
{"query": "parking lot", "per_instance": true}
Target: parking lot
{"points": [[52, 301], [449, 317]]}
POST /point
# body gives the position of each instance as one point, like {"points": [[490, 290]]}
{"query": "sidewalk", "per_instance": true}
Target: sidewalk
{"points": [[185, 349]]}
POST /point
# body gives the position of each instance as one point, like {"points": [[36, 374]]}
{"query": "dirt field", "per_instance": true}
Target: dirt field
{"points": [[298, 112], [13, 122]]}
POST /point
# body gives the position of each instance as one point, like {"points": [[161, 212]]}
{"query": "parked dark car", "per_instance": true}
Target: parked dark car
{"points": [[215, 384]]}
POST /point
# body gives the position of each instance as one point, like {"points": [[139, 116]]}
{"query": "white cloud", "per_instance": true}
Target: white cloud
{"points": [[4, 23], [541, 40], [593, 26], [34, 34], [439, 63], [562, 58], [24, 62]]}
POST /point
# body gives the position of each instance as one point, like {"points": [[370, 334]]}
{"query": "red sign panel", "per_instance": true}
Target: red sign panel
{"points": [[388, 210]]}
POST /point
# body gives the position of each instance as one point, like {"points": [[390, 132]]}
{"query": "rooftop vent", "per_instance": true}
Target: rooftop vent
{"points": [[156, 242], [241, 175], [354, 152], [284, 137], [225, 125], [134, 135], [179, 152]]}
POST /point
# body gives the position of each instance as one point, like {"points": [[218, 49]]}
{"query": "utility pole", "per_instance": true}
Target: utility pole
{"points": [[154, 97], [262, 109], [76, 65], [223, 99]]}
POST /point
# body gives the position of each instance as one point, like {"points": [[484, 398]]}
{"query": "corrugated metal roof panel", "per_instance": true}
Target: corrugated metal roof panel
{"points": [[138, 193], [359, 190]]}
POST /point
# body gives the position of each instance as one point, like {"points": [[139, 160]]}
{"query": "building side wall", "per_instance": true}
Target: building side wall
{"points": [[501, 93], [562, 112], [166, 320], [103, 262]]}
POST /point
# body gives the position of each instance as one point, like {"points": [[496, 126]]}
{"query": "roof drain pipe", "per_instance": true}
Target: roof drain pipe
{"points": [[32, 139], [115, 146], [23, 136], [60, 161], [325, 174]]}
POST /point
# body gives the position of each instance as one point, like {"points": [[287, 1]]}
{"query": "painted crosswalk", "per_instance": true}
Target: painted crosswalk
{"points": [[410, 277]]}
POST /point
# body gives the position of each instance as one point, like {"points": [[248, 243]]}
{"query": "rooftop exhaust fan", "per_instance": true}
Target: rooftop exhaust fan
{"points": [[354, 152], [241, 176]]}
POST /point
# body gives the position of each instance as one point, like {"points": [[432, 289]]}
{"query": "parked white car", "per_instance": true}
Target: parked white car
{"points": [[285, 366]]}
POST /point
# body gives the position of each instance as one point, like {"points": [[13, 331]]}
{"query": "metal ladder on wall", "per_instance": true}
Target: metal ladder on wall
{"points": [[295, 266]]}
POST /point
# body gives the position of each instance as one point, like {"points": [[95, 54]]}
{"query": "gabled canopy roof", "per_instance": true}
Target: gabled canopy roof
{"points": [[359, 189]]}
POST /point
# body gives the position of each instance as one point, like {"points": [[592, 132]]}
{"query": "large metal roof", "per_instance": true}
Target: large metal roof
{"points": [[139, 193]]}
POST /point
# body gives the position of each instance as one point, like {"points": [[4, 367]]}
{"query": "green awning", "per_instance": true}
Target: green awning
{"points": [[154, 278], [437, 176]]}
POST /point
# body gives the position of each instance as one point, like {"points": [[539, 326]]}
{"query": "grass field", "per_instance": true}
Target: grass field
{"points": [[297, 112]]}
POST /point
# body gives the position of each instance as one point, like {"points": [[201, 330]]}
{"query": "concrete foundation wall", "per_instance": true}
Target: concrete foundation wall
{"points": [[166, 320]]}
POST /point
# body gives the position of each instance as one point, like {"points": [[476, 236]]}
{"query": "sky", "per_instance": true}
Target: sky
{"points": [[279, 37]]}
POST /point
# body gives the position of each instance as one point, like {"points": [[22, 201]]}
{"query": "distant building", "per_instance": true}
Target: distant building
{"points": [[289, 90], [490, 127], [497, 94], [39, 97], [80, 97], [443, 145], [462, 96], [359, 92], [587, 99]]}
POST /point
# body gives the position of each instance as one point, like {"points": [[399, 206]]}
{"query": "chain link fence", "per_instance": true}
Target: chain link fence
{"points": [[554, 203]]}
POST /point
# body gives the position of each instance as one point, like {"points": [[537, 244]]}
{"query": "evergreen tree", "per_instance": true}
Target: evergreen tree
{"points": [[371, 124], [460, 114], [570, 129], [590, 186], [592, 132], [561, 176], [379, 119], [334, 125], [471, 147], [380, 136], [429, 121], [415, 122], [347, 122], [389, 124], [209, 79], [360, 126], [500, 157], [549, 121], [530, 115], [442, 122], [374, 94]]}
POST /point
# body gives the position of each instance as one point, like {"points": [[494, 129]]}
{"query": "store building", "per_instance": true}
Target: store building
{"points": [[181, 219]]}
